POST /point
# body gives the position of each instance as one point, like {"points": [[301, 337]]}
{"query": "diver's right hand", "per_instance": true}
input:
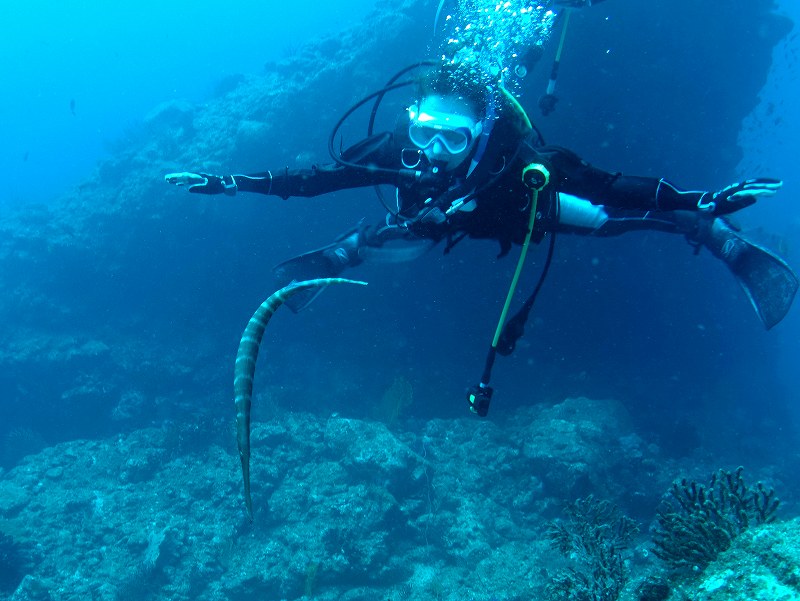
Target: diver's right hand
{"points": [[203, 183]]}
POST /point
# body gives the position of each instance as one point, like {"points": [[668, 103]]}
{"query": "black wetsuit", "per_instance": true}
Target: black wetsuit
{"points": [[501, 199]]}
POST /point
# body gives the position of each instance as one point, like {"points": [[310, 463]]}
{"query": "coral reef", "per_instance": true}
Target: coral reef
{"points": [[697, 522], [343, 505], [349, 509], [596, 538], [568, 458], [762, 563], [15, 561], [119, 302]]}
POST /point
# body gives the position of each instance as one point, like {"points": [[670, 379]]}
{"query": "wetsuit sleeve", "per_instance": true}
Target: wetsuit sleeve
{"points": [[321, 179], [573, 175]]}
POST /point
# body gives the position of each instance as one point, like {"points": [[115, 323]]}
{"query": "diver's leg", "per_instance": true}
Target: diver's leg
{"points": [[383, 243], [326, 262], [578, 216], [769, 283]]}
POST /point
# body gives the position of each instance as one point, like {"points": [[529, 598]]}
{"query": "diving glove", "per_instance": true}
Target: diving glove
{"points": [[738, 196], [203, 183]]}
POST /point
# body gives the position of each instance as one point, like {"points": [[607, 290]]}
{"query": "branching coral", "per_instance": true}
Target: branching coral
{"points": [[595, 536], [697, 522]]}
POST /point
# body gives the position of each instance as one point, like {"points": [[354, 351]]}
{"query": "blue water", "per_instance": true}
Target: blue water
{"points": [[77, 75], [770, 138], [645, 89]]}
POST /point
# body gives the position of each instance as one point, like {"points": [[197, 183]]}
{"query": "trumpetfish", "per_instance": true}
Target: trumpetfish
{"points": [[245, 368]]}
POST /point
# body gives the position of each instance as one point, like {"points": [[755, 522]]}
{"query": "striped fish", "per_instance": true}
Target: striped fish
{"points": [[245, 368]]}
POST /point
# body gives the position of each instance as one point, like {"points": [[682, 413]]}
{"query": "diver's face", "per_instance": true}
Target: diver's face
{"points": [[444, 128]]}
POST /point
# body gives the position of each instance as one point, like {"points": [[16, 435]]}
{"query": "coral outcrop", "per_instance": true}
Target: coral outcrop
{"points": [[348, 509]]}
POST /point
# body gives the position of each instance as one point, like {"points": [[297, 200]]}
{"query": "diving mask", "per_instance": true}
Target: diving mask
{"points": [[444, 129]]}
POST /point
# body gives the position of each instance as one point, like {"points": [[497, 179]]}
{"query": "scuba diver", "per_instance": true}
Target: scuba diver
{"points": [[465, 162]]}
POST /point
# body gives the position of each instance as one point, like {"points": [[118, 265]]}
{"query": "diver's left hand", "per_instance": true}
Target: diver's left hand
{"points": [[738, 196]]}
